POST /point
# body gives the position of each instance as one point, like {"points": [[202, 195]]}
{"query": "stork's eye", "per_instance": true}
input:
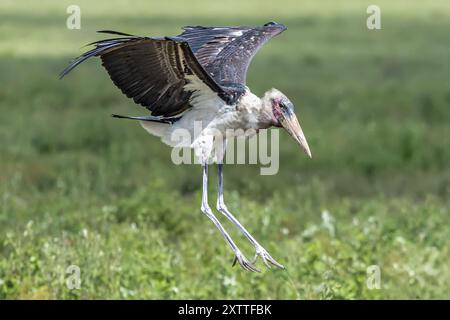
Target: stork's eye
{"points": [[270, 23]]}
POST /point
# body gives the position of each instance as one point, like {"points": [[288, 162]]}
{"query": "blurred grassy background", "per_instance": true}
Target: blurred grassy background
{"points": [[78, 187]]}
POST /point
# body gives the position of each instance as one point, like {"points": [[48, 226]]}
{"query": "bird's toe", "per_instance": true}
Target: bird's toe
{"points": [[244, 263], [266, 258]]}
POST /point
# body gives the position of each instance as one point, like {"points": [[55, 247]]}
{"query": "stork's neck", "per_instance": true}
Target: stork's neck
{"points": [[255, 110], [260, 109]]}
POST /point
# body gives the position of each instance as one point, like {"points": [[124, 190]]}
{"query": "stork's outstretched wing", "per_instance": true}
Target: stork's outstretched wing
{"points": [[152, 71], [226, 52]]}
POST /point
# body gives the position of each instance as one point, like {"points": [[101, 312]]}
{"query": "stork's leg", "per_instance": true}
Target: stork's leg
{"points": [[239, 257], [260, 251]]}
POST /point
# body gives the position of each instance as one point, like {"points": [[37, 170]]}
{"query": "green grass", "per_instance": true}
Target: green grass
{"points": [[80, 188]]}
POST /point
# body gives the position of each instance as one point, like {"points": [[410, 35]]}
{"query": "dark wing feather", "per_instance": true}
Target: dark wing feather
{"points": [[207, 42], [226, 52], [152, 71]]}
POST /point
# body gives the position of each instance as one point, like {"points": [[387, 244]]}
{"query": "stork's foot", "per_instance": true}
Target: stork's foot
{"points": [[245, 264], [266, 258]]}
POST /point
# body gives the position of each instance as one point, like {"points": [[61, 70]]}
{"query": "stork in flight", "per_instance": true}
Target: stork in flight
{"points": [[199, 76]]}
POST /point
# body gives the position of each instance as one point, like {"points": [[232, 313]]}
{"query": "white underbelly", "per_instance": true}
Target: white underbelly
{"points": [[208, 124]]}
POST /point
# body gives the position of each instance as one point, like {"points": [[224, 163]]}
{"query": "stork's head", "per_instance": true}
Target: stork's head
{"points": [[283, 115]]}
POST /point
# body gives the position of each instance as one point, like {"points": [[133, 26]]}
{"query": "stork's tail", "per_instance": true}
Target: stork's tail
{"points": [[169, 120]]}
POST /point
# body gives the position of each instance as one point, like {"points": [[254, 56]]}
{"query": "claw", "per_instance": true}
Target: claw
{"points": [[267, 258], [244, 263]]}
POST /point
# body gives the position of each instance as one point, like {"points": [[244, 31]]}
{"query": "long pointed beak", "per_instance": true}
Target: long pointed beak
{"points": [[290, 123]]}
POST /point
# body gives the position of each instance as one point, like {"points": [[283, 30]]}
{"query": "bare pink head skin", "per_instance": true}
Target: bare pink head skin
{"points": [[279, 111]]}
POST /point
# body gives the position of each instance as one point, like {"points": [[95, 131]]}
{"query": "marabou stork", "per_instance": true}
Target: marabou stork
{"points": [[199, 75]]}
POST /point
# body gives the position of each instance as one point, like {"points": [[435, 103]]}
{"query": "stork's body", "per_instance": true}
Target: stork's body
{"points": [[195, 84], [245, 117]]}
